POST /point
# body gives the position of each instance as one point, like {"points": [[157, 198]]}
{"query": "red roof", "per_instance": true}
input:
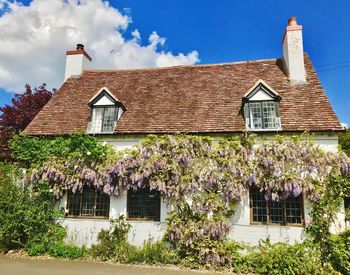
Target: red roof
{"points": [[188, 99]]}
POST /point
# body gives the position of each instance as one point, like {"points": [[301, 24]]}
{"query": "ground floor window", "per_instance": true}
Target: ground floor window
{"points": [[283, 211], [143, 204], [88, 203]]}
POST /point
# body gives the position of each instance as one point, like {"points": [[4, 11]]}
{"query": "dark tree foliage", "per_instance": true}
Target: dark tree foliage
{"points": [[14, 118], [344, 141]]}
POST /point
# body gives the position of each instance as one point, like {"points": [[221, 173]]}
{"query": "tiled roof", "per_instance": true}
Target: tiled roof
{"points": [[192, 99]]}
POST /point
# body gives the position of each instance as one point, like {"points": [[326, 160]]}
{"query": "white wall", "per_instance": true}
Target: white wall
{"points": [[84, 231], [75, 64], [243, 231], [293, 55]]}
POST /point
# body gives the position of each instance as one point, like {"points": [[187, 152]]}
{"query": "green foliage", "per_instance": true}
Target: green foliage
{"points": [[113, 245], [36, 249], [339, 252], [344, 142], [280, 258], [324, 213], [66, 251], [41, 244], [26, 212], [111, 240], [149, 253], [34, 151]]}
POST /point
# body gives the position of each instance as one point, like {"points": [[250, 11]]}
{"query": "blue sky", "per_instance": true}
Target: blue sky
{"points": [[225, 31]]}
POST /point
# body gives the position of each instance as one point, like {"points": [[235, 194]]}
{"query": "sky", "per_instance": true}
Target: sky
{"points": [[34, 36]]}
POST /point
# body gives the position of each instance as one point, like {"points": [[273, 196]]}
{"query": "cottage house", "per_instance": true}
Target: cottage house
{"points": [[269, 97]]}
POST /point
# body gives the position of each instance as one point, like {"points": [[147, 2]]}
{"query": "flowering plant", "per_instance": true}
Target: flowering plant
{"points": [[203, 180]]}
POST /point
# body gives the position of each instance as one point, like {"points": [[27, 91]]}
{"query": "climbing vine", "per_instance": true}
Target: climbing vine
{"points": [[203, 180]]}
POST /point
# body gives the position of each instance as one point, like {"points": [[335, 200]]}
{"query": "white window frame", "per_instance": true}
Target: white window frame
{"points": [[103, 100], [249, 119], [267, 94]]}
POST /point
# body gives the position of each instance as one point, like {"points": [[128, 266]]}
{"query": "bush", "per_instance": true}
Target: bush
{"points": [[36, 249], [281, 258], [113, 245], [31, 151], [27, 214], [150, 253], [111, 240], [66, 251], [339, 252]]}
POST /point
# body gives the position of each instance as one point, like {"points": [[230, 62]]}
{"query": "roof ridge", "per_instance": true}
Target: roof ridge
{"points": [[180, 66]]}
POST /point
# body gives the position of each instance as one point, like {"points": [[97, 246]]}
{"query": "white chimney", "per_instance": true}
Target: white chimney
{"points": [[76, 61], [293, 52]]}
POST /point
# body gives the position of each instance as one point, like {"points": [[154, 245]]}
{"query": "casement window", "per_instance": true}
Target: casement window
{"points": [[143, 204], [88, 203], [283, 211], [103, 119], [105, 112], [261, 108]]}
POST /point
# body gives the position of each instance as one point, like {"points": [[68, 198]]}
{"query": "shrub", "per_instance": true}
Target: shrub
{"points": [[339, 252], [150, 253], [36, 249], [27, 214], [113, 245], [31, 151], [66, 251], [281, 258], [111, 240]]}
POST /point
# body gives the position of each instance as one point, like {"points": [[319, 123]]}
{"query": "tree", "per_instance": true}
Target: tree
{"points": [[14, 118], [344, 142]]}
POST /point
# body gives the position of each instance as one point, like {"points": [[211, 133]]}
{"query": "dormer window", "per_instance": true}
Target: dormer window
{"points": [[261, 108], [105, 112]]}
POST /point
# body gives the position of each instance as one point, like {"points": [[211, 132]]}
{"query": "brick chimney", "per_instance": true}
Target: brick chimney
{"points": [[76, 61], [293, 52]]}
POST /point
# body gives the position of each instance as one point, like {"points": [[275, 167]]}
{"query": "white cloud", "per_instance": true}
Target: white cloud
{"points": [[34, 39], [344, 124]]}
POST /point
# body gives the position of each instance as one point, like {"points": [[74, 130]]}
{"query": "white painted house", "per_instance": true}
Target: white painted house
{"points": [[282, 95]]}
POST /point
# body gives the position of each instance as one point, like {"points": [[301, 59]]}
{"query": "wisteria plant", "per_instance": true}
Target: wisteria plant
{"points": [[202, 180]]}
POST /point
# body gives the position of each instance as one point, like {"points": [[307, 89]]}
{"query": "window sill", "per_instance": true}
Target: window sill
{"points": [[278, 224], [87, 218], [100, 133], [142, 220], [265, 130]]}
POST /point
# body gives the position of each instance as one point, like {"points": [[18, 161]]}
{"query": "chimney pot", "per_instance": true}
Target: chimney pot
{"points": [[80, 47], [292, 21]]}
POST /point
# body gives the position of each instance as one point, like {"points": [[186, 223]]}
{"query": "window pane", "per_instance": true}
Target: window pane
{"points": [[276, 212], [74, 201], [144, 204], [269, 115], [152, 205], [255, 113], [135, 204], [293, 209], [109, 119], [96, 122], [258, 203], [102, 204], [88, 202]]}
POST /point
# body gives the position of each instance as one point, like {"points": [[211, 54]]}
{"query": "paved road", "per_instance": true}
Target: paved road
{"points": [[19, 266]]}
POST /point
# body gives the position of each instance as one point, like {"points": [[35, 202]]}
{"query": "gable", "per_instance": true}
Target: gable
{"points": [[261, 91], [261, 95], [103, 97]]}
